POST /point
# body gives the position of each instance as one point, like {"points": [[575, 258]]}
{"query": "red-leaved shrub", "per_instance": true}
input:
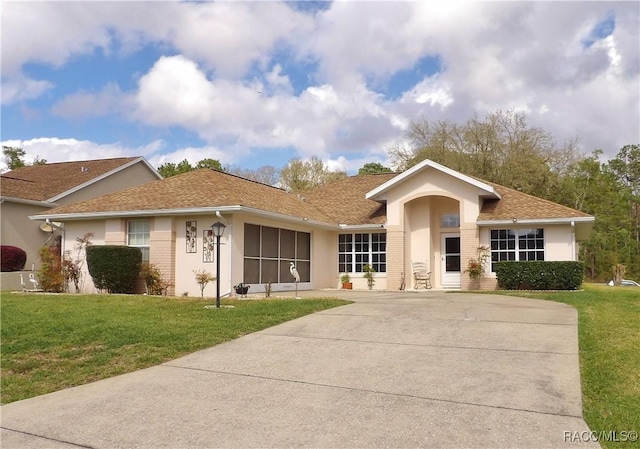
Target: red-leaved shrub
{"points": [[12, 258]]}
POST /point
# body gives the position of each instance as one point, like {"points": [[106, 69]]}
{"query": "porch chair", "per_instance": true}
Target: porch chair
{"points": [[422, 277]]}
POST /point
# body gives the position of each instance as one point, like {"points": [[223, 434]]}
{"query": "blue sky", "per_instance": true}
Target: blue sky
{"points": [[258, 83]]}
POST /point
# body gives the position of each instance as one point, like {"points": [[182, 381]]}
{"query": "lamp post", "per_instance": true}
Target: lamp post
{"points": [[218, 230]]}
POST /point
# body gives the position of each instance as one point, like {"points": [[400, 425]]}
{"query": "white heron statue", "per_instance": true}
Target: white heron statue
{"points": [[295, 274], [33, 280]]}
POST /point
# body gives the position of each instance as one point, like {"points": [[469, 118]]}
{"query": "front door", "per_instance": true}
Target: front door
{"points": [[450, 260]]}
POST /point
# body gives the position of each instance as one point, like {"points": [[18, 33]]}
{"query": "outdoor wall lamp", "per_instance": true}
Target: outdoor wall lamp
{"points": [[218, 230]]}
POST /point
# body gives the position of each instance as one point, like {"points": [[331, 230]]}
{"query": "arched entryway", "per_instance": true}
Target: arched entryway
{"points": [[432, 235]]}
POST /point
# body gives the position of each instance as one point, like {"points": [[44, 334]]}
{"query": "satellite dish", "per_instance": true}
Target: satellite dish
{"points": [[50, 227]]}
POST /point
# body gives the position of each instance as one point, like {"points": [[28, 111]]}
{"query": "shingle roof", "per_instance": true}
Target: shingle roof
{"points": [[42, 182], [344, 200], [340, 202], [204, 188], [515, 204]]}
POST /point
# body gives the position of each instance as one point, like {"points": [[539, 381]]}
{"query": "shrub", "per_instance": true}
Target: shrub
{"points": [[50, 274], [114, 268], [539, 275], [12, 258], [203, 277], [153, 280]]}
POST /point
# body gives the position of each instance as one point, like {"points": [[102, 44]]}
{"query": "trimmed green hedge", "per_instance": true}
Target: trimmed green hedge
{"points": [[114, 268], [539, 275]]}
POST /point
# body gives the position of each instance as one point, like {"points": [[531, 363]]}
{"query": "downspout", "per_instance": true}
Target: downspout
{"points": [[574, 256]]}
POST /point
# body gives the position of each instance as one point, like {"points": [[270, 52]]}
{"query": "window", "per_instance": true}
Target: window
{"points": [[516, 245], [357, 250], [269, 251], [450, 221], [138, 236]]}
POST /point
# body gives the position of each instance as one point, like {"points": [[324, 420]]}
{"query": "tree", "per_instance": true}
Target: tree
{"points": [[266, 174], [298, 175], [626, 169], [14, 157], [501, 147], [371, 168], [210, 163], [170, 169]]}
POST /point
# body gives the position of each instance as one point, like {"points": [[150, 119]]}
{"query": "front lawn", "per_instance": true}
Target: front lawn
{"points": [[609, 339], [51, 342]]}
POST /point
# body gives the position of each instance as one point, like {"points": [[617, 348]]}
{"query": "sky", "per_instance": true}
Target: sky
{"points": [[255, 83]]}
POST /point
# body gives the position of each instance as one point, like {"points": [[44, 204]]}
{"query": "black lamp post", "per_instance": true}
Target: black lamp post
{"points": [[218, 230]]}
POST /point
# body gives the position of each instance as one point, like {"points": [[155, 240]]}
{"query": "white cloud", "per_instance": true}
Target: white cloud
{"points": [[83, 104], [54, 149], [21, 88], [529, 56], [192, 154]]}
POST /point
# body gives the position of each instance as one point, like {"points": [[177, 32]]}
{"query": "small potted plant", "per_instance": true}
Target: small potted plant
{"points": [[241, 289], [368, 275], [346, 281]]}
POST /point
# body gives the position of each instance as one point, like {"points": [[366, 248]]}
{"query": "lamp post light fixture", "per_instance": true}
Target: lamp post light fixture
{"points": [[218, 230]]}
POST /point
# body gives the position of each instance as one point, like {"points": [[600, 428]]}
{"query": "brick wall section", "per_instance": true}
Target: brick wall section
{"points": [[162, 254], [395, 258], [469, 242]]}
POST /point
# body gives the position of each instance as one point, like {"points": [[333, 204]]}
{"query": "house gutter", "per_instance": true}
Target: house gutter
{"points": [[10, 199], [182, 211], [526, 221], [363, 227]]}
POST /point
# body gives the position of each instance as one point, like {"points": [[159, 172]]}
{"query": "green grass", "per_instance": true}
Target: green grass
{"points": [[609, 340], [51, 342]]}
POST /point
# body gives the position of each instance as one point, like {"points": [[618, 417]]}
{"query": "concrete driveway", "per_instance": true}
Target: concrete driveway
{"points": [[403, 370]]}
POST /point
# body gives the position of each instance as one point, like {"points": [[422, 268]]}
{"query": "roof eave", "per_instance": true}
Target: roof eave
{"points": [[183, 211]]}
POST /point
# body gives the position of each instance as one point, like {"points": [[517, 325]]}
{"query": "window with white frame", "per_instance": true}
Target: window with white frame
{"points": [[450, 221], [359, 249], [516, 245], [138, 232]]}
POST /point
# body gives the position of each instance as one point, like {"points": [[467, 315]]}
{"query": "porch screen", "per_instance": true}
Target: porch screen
{"points": [[269, 251]]}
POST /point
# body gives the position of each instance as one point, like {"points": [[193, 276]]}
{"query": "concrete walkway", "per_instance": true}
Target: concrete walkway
{"points": [[402, 370]]}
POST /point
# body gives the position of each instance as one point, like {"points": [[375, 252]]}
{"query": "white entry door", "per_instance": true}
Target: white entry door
{"points": [[450, 260]]}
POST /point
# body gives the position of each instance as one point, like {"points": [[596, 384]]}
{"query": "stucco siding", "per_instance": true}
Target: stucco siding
{"points": [[324, 259], [559, 243], [74, 230], [18, 230], [134, 175], [432, 183], [181, 265]]}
